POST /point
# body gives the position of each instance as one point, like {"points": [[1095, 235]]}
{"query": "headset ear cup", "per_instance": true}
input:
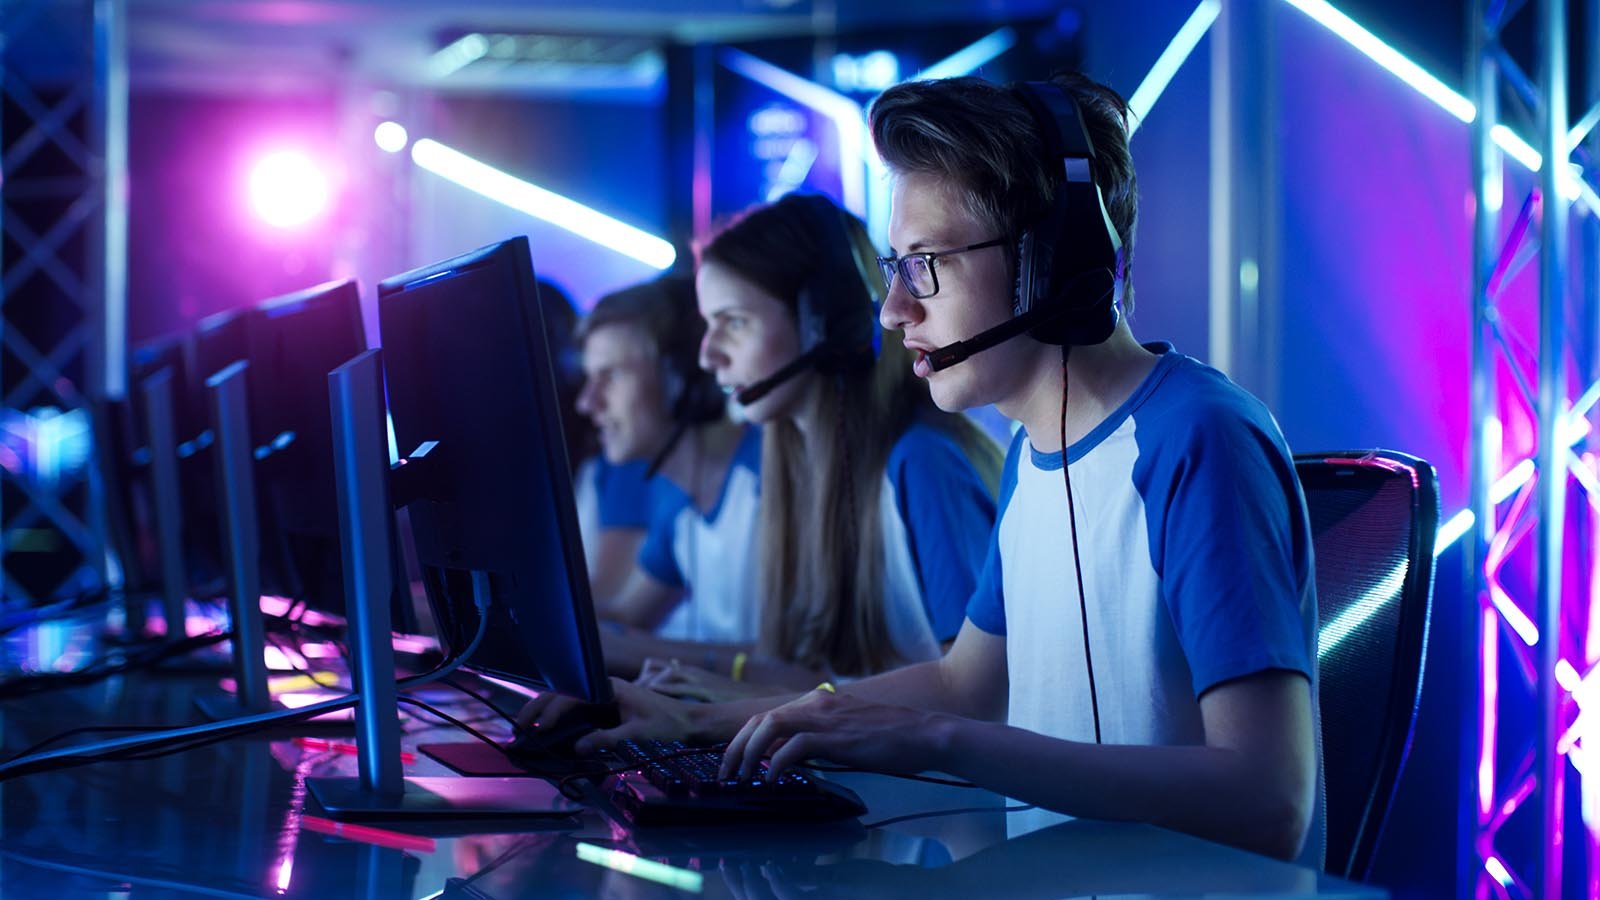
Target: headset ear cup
{"points": [[1021, 285], [834, 308], [673, 390], [704, 400]]}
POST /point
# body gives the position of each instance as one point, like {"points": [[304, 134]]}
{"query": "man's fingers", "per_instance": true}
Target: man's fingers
{"points": [[733, 755], [596, 740], [554, 711], [795, 751], [530, 711], [772, 727]]}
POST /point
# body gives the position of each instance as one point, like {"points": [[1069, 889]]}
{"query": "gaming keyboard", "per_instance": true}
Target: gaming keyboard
{"points": [[670, 783]]}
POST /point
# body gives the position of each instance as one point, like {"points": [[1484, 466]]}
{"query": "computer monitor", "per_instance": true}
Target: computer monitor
{"points": [[155, 554], [110, 419], [292, 343], [144, 360], [469, 369], [218, 341]]}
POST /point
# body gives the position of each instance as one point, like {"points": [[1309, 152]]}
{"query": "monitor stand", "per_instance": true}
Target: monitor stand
{"points": [[235, 471], [382, 791], [159, 431]]}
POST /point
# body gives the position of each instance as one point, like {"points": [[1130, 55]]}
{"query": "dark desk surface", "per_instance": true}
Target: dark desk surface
{"points": [[233, 819]]}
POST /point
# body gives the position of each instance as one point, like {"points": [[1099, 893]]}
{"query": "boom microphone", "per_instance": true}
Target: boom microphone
{"points": [[767, 385]]}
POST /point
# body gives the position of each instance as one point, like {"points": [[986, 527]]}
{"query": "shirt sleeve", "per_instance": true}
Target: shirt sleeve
{"points": [[948, 513], [1230, 540], [656, 556], [986, 606], [624, 495]]}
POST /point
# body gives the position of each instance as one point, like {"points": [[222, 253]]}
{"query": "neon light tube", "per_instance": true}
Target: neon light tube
{"points": [[639, 867], [548, 206], [1386, 56], [973, 56], [1171, 59]]}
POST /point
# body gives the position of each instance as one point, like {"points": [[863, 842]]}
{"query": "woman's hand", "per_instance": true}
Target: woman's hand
{"points": [[688, 682]]}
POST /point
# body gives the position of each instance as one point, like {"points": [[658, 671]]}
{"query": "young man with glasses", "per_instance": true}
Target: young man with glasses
{"points": [[1145, 650]]}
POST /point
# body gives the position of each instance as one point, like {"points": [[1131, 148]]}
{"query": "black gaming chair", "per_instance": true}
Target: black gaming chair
{"points": [[1374, 515]]}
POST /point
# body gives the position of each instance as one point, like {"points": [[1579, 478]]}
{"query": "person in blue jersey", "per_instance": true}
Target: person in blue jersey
{"points": [[1142, 643], [658, 414], [875, 506], [614, 503], [613, 500]]}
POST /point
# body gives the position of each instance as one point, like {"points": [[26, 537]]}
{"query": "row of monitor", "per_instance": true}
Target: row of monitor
{"points": [[468, 373]]}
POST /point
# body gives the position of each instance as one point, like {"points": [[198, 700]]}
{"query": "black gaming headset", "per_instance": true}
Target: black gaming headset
{"points": [[1065, 291], [692, 395], [835, 310], [1067, 261]]}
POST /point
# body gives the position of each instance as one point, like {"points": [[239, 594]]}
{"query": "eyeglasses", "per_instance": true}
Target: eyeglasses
{"points": [[916, 269]]}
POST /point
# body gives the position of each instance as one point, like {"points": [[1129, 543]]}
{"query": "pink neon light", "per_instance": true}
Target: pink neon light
{"points": [[367, 834], [1591, 644], [286, 189], [285, 871], [1490, 709], [1511, 805], [1591, 650], [1499, 546], [1498, 871], [1557, 823]]}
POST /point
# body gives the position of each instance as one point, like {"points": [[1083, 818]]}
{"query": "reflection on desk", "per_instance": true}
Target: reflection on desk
{"points": [[227, 820]]}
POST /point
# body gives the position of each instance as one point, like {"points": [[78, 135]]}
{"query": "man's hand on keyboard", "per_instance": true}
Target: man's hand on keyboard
{"points": [[841, 728]]}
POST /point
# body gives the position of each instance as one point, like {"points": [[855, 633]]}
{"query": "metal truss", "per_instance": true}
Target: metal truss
{"points": [[1532, 567], [62, 218]]}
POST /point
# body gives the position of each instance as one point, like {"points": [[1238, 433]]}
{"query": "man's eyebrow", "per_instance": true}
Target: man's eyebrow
{"points": [[921, 244]]}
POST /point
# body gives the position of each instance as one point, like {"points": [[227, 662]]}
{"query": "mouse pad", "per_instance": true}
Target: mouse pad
{"points": [[475, 759]]}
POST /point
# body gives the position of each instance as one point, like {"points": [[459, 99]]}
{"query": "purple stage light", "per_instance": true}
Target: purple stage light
{"points": [[287, 189], [391, 137]]}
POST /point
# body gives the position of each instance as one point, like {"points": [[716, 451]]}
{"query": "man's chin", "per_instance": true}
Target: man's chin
{"points": [[952, 398], [614, 455]]}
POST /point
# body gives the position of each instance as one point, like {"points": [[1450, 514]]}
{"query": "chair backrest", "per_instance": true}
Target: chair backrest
{"points": [[1374, 515]]}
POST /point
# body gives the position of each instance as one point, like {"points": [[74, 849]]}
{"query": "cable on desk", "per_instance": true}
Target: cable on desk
{"points": [[484, 699], [101, 669], [907, 776], [194, 736], [84, 730], [450, 720], [39, 615], [894, 820]]}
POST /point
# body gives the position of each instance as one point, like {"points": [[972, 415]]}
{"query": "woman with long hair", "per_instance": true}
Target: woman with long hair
{"points": [[875, 507]]}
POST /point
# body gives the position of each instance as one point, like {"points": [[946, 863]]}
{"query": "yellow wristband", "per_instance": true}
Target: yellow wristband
{"points": [[739, 660], [827, 686]]}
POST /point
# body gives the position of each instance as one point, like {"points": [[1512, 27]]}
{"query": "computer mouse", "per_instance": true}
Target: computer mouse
{"points": [[556, 740], [551, 740]]}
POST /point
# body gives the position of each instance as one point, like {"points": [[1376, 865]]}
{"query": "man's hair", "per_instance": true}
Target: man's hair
{"points": [[665, 308], [980, 138]]}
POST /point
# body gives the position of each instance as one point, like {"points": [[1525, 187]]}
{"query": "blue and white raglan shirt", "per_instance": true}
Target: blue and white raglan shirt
{"points": [[609, 495], [711, 556], [937, 515], [1197, 567]]}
